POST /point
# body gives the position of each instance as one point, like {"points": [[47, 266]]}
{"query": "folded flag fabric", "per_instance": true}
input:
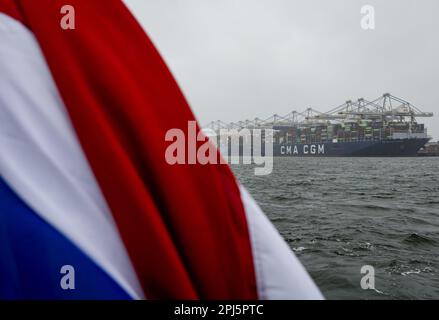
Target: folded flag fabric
{"points": [[84, 182]]}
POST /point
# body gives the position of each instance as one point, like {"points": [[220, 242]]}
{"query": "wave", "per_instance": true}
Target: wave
{"points": [[417, 239]]}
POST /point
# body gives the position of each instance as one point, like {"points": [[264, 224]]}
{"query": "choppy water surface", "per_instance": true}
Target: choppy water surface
{"points": [[339, 214]]}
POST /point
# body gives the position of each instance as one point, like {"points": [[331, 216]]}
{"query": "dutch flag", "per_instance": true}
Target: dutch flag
{"points": [[84, 185]]}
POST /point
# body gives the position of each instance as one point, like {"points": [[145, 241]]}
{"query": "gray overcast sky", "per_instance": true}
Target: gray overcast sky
{"points": [[241, 59]]}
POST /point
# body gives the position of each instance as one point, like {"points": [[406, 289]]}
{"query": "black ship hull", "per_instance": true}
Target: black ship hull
{"points": [[373, 148]]}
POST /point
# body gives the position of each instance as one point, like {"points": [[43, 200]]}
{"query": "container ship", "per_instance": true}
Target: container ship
{"points": [[385, 127]]}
